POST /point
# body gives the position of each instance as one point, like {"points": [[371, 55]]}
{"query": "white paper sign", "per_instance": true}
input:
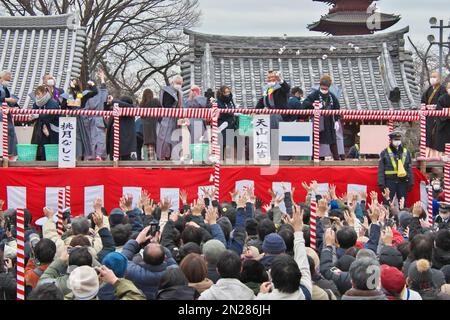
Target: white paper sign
{"points": [[261, 139], [322, 188], [276, 187], [173, 194], [51, 198], [356, 188], [374, 139], [67, 142], [17, 197], [243, 185], [295, 139], [135, 192], [90, 195]]}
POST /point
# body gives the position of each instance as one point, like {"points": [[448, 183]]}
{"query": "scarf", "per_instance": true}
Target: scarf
{"points": [[42, 101], [438, 86], [269, 90]]}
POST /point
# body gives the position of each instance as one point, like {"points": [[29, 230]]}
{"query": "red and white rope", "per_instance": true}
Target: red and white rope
{"points": [[20, 229], [67, 199], [430, 205], [313, 222], [391, 126], [22, 118], [316, 125], [423, 131], [59, 223], [5, 110], [116, 148], [447, 173], [216, 152]]}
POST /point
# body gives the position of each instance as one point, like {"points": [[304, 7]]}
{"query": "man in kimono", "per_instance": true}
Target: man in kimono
{"points": [[95, 125], [50, 82], [170, 97]]}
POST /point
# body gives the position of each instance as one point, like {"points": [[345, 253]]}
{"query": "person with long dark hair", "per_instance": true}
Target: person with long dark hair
{"points": [[150, 124], [225, 101]]}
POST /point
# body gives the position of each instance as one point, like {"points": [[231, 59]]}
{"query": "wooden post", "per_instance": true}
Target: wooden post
{"points": [[185, 138]]}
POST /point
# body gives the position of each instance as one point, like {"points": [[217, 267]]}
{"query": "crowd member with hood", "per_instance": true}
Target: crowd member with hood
{"points": [[47, 126], [328, 124], [150, 123], [174, 286], [74, 99], [127, 132], [97, 97], [5, 97], [229, 287], [420, 279], [170, 97], [118, 263]]}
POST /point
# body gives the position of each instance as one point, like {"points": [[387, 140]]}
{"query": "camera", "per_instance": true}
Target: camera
{"points": [[154, 228]]}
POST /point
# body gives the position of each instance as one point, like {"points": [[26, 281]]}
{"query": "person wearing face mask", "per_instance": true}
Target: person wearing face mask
{"points": [[442, 136], [275, 96], [47, 126], [5, 97], [329, 125], [50, 83], [443, 219], [197, 127], [395, 169], [170, 97], [225, 101], [431, 97]]}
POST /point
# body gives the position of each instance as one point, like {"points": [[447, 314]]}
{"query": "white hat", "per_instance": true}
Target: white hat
{"points": [[84, 283]]}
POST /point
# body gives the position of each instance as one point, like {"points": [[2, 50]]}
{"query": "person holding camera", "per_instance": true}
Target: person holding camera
{"points": [[42, 254]]}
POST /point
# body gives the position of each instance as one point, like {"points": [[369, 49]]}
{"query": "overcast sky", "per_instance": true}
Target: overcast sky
{"points": [[278, 17]]}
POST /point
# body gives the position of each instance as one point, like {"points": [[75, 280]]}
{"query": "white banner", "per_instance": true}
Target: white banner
{"points": [[67, 142], [90, 195], [296, 139], [174, 196], [16, 197], [261, 139], [135, 192]]}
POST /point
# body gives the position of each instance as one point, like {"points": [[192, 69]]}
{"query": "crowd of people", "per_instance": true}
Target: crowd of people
{"points": [[156, 135], [367, 247]]}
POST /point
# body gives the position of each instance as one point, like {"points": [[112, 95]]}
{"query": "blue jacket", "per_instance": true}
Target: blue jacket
{"points": [[144, 276]]}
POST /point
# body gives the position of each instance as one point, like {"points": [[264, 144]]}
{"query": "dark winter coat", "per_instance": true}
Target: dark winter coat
{"points": [[50, 121], [127, 133], [342, 280], [150, 124], [431, 121], [227, 103], [327, 123], [12, 138], [280, 98], [7, 286], [442, 135], [440, 258], [178, 293], [144, 276]]}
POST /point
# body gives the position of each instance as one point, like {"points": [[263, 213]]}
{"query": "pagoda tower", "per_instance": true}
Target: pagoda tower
{"points": [[352, 17]]}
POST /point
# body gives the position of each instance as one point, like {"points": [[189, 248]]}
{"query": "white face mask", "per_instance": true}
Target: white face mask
{"points": [[444, 216], [324, 91], [448, 91], [5, 83], [177, 86], [433, 81], [436, 187], [396, 143], [51, 82]]}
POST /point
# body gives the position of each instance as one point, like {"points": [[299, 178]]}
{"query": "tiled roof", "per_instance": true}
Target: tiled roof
{"points": [[33, 46], [366, 68], [355, 17]]}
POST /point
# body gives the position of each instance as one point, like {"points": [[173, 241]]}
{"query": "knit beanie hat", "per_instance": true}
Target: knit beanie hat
{"points": [[117, 262], [391, 257], [404, 218], [420, 275], [116, 217], [84, 283], [345, 262], [392, 279], [274, 244], [212, 250]]}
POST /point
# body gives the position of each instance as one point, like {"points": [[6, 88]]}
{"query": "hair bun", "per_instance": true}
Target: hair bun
{"points": [[423, 265]]}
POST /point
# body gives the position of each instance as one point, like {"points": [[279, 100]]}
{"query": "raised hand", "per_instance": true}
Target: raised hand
{"points": [[350, 218], [278, 200], [234, 195], [273, 195], [98, 219], [386, 194], [333, 192], [97, 205], [242, 200], [417, 209], [183, 196], [211, 215], [322, 207], [143, 199], [374, 197], [251, 195], [330, 238], [166, 204], [196, 208], [387, 236], [374, 213]]}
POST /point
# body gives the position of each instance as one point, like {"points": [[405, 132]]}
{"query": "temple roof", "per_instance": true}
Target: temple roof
{"points": [[33, 46], [365, 68]]}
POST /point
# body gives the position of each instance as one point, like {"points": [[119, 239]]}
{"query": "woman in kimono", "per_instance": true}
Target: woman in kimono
{"points": [[197, 127], [5, 97], [46, 129], [149, 124], [74, 99]]}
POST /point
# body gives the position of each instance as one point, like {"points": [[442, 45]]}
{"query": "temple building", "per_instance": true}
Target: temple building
{"points": [[366, 68], [33, 46], [352, 17]]}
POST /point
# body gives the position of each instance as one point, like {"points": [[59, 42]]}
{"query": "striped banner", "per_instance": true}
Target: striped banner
{"points": [[20, 228]]}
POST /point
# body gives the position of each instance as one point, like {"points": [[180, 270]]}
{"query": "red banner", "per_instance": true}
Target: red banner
{"points": [[34, 182]]}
